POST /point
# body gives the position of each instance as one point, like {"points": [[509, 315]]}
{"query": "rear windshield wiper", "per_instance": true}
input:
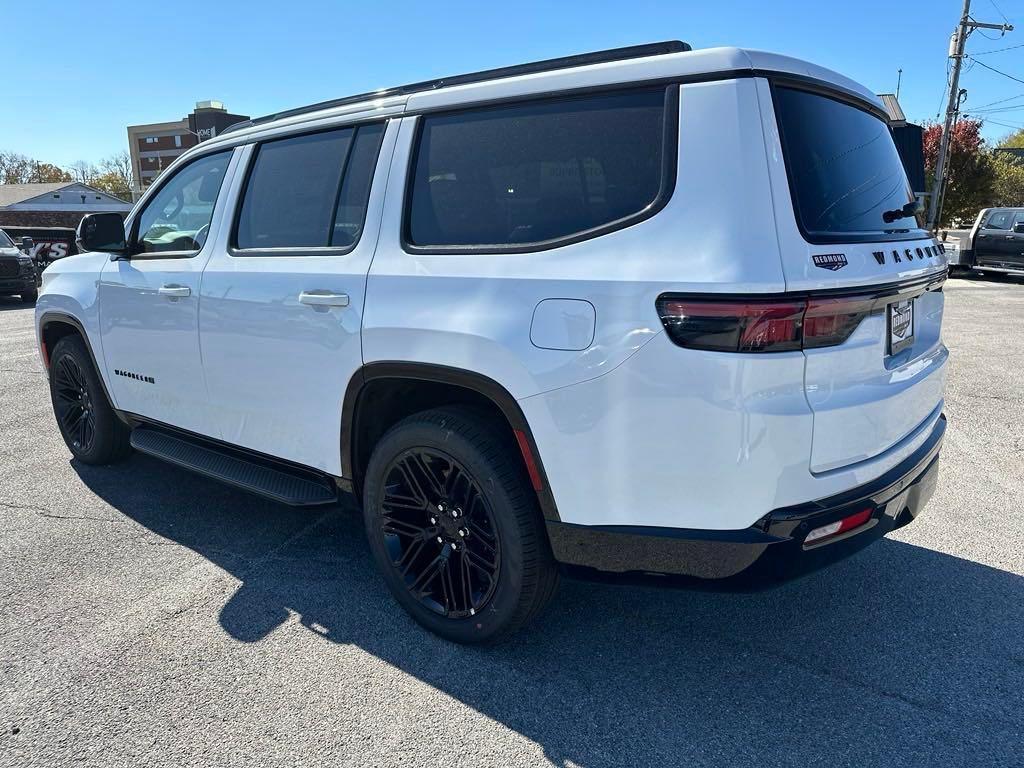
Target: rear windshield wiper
{"points": [[901, 213]]}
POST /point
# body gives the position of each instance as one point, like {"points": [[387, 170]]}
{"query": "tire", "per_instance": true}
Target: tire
{"points": [[87, 422], [487, 520], [29, 297]]}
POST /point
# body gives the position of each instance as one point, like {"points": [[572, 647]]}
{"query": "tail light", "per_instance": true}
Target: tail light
{"points": [[762, 325]]}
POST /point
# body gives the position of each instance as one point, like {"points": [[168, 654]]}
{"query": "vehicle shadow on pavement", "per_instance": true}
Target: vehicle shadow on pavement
{"points": [[900, 655]]}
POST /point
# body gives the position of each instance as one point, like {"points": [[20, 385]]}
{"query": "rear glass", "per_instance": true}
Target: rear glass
{"points": [[530, 173], [843, 167]]}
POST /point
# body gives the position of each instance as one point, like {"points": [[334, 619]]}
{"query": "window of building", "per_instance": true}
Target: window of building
{"points": [[309, 191], [178, 216], [535, 173], [177, 141]]}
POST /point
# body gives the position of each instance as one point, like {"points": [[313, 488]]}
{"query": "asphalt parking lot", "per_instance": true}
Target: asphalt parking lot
{"points": [[151, 617]]}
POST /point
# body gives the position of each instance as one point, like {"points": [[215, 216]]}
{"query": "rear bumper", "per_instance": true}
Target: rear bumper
{"points": [[769, 552]]}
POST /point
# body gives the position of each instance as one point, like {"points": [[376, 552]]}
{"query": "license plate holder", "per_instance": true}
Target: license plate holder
{"points": [[900, 325]]}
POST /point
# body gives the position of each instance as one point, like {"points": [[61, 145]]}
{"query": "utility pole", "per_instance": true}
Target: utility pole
{"points": [[956, 53]]}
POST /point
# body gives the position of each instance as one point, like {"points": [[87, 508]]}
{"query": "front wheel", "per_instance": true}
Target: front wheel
{"points": [[29, 297], [87, 422], [455, 528]]}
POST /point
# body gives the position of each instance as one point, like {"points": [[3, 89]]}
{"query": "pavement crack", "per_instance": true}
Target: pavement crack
{"points": [[45, 512]]}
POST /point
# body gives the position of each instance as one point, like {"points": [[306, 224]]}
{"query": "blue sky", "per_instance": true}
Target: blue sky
{"points": [[76, 73]]}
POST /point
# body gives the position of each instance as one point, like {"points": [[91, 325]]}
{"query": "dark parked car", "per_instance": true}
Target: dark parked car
{"points": [[17, 270], [994, 244]]}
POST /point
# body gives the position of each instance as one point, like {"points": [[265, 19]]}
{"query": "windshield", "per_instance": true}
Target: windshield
{"points": [[5, 241], [844, 170]]}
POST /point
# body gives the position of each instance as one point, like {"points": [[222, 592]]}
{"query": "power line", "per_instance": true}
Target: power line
{"points": [[1000, 101], [998, 50], [999, 11], [999, 71]]}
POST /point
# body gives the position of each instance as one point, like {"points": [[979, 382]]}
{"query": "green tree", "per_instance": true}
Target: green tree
{"points": [[1008, 186], [1014, 141], [112, 183]]}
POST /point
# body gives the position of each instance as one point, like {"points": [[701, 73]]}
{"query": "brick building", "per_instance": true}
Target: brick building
{"points": [[155, 146]]}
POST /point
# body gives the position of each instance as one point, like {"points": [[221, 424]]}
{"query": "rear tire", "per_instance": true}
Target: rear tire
{"points": [[87, 422], [455, 528]]}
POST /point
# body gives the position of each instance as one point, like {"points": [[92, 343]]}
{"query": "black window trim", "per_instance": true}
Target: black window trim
{"points": [[828, 91], [316, 250], [133, 239], [670, 144]]}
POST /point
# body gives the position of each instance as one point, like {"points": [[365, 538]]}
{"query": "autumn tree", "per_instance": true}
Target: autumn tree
{"points": [[43, 173], [115, 176], [970, 177]]}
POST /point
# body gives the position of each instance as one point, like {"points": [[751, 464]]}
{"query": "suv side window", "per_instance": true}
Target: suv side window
{"points": [[539, 173], [177, 218], [309, 191], [998, 220]]}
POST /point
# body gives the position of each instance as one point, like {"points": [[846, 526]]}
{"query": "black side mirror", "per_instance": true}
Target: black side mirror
{"points": [[1019, 228], [27, 244], [102, 232]]}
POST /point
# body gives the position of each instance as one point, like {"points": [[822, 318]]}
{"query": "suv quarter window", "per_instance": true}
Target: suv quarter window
{"points": [[177, 218], [308, 191], [541, 173]]}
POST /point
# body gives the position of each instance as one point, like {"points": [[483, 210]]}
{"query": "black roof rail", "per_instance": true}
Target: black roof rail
{"points": [[547, 65]]}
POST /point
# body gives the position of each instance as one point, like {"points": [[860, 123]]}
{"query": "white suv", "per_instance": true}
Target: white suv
{"points": [[651, 312]]}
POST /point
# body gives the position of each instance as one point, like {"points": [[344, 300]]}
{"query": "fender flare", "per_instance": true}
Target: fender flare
{"points": [[52, 316], [443, 374]]}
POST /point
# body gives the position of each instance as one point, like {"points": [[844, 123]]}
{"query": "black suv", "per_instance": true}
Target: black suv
{"points": [[17, 271]]}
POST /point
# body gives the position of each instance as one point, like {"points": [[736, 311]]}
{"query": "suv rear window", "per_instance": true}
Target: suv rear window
{"points": [[844, 170], [515, 176]]}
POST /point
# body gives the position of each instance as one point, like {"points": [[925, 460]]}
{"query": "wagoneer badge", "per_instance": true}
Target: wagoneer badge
{"points": [[831, 261]]}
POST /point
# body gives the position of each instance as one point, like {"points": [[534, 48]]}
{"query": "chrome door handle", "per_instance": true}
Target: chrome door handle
{"points": [[323, 299], [175, 291]]}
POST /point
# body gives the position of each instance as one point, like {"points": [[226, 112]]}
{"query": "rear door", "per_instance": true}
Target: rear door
{"points": [[840, 190], [282, 295], [994, 237], [1013, 244]]}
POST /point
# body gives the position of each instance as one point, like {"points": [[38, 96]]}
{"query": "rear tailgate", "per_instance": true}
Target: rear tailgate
{"points": [[844, 220], [877, 388]]}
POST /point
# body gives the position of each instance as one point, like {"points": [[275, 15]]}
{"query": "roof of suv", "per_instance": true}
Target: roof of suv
{"points": [[671, 61]]}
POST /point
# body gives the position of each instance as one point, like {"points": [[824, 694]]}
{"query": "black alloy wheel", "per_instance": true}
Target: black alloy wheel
{"points": [[73, 404], [90, 427], [454, 525], [438, 531]]}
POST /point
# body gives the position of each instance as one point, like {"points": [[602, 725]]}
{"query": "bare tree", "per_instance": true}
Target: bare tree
{"points": [[82, 171], [120, 167]]}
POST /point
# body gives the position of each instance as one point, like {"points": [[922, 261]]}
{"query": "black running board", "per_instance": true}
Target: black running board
{"points": [[292, 486]]}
